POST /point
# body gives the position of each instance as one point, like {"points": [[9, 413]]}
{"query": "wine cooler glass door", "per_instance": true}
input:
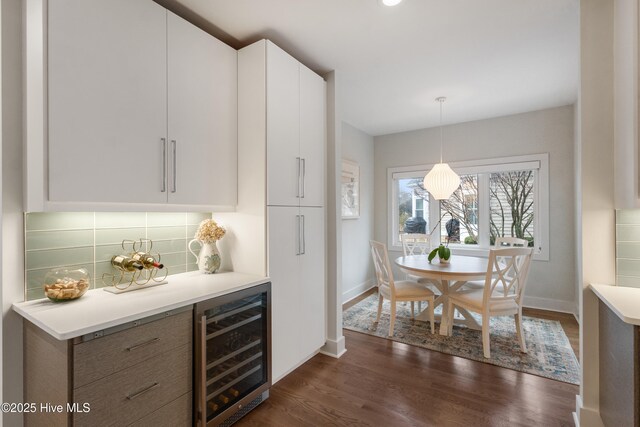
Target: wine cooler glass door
{"points": [[235, 352]]}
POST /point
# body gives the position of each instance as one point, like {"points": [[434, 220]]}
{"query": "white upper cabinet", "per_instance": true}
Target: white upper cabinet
{"points": [[202, 117], [107, 100], [142, 109], [283, 128], [312, 136], [295, 132], [626, 136]]}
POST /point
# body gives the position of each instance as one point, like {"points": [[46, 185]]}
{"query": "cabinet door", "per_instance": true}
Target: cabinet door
{"points": [[107, 100], [312, 136], [286, 296], [202, 117], [312, 281], [283, 112]]}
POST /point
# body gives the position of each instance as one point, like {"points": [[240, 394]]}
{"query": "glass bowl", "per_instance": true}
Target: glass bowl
{"points": [[62, 284]]}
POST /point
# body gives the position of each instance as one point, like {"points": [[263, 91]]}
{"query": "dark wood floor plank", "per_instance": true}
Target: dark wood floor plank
{"points": [[381, 382]]}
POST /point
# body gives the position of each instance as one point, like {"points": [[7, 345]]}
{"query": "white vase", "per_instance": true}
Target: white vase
{"points": [[209, 257]]}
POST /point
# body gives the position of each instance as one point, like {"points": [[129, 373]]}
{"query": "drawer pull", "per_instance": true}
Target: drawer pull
{"points": [[141, 392], [137, 346]]}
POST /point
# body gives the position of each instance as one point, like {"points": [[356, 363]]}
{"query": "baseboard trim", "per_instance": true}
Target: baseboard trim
{"points": [[302, 362], [550, 304], [586, 417], [334, 348], [357, 290]]}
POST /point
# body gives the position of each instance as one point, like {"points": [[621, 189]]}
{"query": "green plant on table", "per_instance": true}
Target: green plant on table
{"points": [[443, 252]]}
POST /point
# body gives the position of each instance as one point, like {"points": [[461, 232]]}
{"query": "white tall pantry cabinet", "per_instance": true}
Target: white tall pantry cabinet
{"points": [[282, 116]]}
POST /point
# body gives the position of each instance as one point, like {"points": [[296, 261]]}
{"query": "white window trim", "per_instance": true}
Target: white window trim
{"points": [[511, 163]]}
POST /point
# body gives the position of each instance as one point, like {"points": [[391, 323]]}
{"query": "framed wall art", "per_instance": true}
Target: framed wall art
{"points": [[350, 190]]}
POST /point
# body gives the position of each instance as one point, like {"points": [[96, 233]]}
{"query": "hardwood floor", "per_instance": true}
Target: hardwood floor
{"points": [[378, 382]]}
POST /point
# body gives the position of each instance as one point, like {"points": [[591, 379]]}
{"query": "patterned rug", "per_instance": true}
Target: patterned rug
{"points": [[549, 351]]}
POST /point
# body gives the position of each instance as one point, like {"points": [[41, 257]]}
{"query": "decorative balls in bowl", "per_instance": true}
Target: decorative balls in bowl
{"points": [[63, 284]]}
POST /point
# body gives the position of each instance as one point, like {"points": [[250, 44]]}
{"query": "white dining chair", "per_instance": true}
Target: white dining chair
{"points": [[501, 295], [501, 242], [402, 290], [417, 244]]}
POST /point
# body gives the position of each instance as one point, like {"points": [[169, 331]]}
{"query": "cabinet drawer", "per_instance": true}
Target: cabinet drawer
{"points": [[137, 391], [174, 414], [101, 357]]}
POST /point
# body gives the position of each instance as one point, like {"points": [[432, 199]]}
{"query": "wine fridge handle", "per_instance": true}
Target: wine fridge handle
{"points": [[164, 164], [203, 371], [175, 166]]}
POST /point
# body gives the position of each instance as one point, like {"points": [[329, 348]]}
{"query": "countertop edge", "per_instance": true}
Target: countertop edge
{"points": [[22, 308], [608, 293]]}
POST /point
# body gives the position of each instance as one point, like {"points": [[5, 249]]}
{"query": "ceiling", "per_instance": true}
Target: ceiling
{"points": [[489, 58]]}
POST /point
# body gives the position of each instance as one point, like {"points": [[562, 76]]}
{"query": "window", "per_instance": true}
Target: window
{"points": [[497, 197], [511, 200], [459, 214], [412, 206]]}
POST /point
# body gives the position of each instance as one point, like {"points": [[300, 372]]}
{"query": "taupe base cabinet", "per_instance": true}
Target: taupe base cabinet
{"points": [[619, 370], [139, 373]]}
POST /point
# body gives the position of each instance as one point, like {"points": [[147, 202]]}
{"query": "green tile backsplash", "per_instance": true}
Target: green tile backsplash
{"points": [[628, 248], [90, 239]]}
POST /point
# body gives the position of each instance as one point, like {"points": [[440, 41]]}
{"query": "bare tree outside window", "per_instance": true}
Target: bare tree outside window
{"points": [[462, 206], [511, 200]]}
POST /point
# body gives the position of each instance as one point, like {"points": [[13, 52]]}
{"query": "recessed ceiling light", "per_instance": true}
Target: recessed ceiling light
{"points": [[390, 2]]}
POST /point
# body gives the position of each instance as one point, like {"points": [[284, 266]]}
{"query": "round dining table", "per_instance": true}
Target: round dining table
{"points": [[448, 278]]}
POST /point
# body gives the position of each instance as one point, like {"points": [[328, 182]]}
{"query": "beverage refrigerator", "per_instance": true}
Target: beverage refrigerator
{"points": [[233, 355]]}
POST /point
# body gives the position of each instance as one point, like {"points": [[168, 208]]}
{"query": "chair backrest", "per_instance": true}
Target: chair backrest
{"points": [[415, 244], [502, 242], [384, 275], [507, 274]]}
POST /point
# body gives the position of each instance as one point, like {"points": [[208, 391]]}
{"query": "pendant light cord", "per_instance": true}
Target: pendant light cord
{"points": [[441, 100]]}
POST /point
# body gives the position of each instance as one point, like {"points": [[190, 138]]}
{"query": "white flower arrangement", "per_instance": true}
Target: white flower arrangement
{"points": [[209, 231]]}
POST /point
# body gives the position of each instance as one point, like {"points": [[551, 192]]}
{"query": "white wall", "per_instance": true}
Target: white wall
{"points": [[335, 345], [551, 283], [596, 184], [12, 224], [357, 266]]}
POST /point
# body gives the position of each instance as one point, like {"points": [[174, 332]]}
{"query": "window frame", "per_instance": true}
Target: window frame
{"points": [[483, 168]]}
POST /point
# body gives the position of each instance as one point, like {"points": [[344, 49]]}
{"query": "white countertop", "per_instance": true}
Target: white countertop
{"points": [[623, 301], [97, 309]]}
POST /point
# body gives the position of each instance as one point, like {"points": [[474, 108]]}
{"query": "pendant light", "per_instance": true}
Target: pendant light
{"points": [[441, 181]]}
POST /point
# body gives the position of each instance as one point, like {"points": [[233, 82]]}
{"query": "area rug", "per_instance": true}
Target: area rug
{"points": [[549, 352]]}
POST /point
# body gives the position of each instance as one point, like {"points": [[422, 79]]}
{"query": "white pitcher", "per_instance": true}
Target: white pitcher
{"points": [[209, 257]]}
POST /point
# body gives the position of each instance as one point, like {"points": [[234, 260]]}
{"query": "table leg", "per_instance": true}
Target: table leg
{"points": [[444, 320], [446, 288]]}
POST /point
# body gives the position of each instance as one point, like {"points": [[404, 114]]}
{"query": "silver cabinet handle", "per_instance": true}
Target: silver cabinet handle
{"points": [[304, 174], [298, 249], [143, 391], [304, 243], [298, 159], [175, 167], [164, 164], [137, 346]]}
